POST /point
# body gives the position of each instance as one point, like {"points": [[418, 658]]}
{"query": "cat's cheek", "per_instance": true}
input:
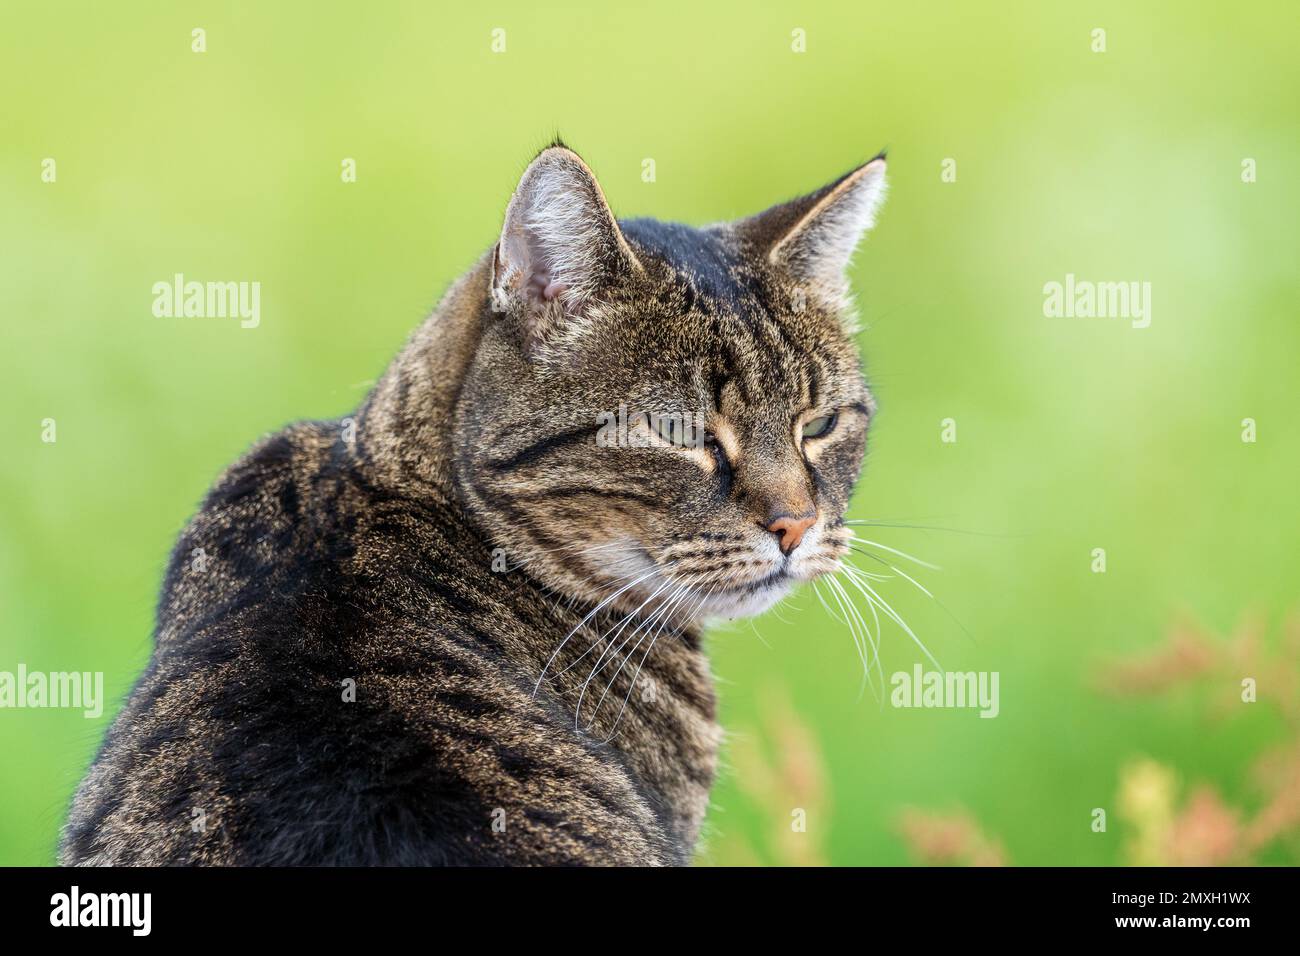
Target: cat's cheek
{"points": [[836, 473]]}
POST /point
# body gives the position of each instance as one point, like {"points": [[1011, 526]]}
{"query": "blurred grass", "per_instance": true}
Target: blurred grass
{"points": [[1072, 434]]}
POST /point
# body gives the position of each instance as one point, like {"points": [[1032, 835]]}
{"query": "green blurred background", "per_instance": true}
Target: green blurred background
{"points": [[1073, 434]]}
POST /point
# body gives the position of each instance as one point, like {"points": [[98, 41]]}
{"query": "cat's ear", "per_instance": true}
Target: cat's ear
{"points": [[813, 238], [560, 247]]}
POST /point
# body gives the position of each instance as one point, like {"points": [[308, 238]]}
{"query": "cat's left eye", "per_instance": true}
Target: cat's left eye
{"points": [[818, 426], [678, 429], [668, 428]]}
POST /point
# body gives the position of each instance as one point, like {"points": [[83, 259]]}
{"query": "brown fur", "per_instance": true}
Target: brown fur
{"points": [[457, 552]]}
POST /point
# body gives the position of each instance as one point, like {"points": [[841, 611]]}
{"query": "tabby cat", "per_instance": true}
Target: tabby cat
{"points": [[464, 625]]}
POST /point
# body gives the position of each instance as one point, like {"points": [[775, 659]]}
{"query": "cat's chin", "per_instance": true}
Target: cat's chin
{"points": [[753, 599], [748, 601]]}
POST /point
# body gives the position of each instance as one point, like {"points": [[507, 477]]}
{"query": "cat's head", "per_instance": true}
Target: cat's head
{"points": [[664, 414]]}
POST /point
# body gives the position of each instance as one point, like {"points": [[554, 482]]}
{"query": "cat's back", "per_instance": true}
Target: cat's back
{"points": [[330, 684]]}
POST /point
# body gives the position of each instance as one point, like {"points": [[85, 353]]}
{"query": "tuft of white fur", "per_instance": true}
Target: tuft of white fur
{"points": [[562, 221]]}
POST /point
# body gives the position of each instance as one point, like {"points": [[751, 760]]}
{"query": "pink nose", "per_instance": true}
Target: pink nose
{"points": [[790, 530]]}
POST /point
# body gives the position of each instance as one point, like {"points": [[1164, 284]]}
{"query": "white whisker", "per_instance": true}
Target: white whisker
{"points": [[612, 652], [635, 677], [680, 594], [609, 644], [870, 593], [901, 554], [590, 614]]}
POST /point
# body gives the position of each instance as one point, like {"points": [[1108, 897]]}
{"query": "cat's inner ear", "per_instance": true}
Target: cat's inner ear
{"points": [[812, 238], [560, 247]]}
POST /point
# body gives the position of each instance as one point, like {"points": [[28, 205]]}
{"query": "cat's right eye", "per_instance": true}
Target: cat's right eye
{"points": [[819, 426], [679, 430]]}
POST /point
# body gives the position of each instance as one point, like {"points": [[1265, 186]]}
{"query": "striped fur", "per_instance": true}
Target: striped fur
{"points": [[361, 654]]}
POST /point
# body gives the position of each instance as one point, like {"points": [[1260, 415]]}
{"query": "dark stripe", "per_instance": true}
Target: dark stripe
{"points": [[578, 491], [718, 565], [815, 378], [537, 449]]}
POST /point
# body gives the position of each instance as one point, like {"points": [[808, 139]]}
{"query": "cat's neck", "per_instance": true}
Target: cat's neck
{"points": [[630, 683], [656, 709], [405, 427]]}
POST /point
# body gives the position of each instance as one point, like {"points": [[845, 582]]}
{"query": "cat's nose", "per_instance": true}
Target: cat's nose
{"points": [[789, 529]]}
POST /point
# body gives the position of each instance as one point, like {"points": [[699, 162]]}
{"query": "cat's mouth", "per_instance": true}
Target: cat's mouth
{"points": [[689, 591], [779, 576], [750, 598]]}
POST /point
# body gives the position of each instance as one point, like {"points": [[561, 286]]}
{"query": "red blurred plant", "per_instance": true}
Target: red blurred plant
{"points": [[1203, 829], [1167, 826], [780, 770], [949, 839]]}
